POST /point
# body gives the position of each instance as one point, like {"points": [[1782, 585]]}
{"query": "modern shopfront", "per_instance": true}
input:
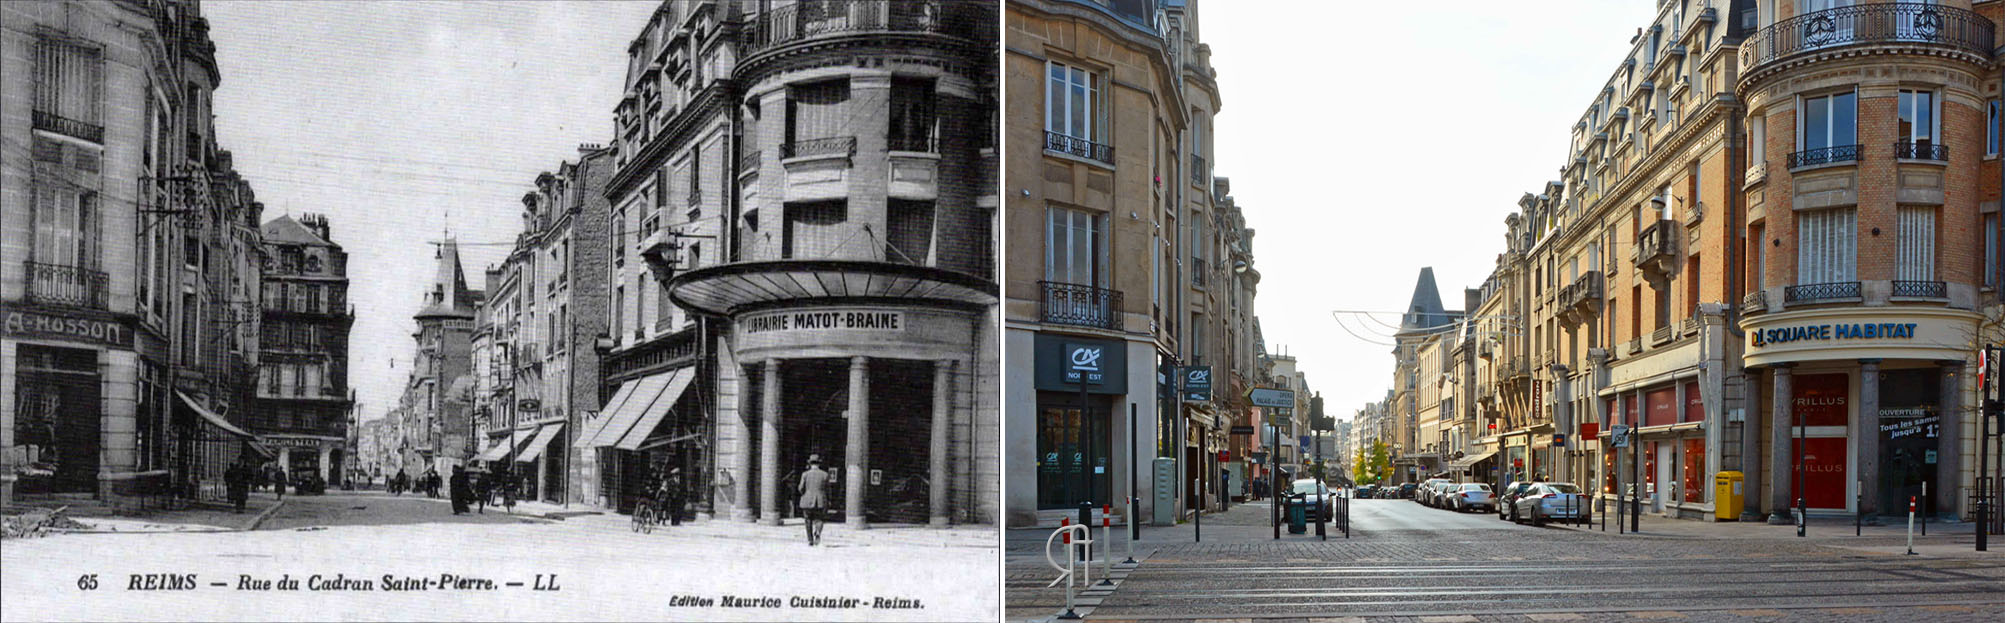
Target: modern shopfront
{"points": [[1864, 403], [1078, 381]]}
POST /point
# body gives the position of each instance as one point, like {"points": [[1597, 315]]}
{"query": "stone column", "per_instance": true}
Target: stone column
{"points": [[1779, 449], [857, 451], [769, 445], [741, 461], [943, 382], [1868, 435], [1948, 458], [1750, 445]]}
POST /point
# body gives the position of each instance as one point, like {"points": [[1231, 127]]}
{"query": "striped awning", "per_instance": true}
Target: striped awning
{"points": [[543, 438]]}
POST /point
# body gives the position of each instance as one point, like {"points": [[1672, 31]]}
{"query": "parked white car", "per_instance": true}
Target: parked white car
{"points": [[1469, 495], [1551, 500]]}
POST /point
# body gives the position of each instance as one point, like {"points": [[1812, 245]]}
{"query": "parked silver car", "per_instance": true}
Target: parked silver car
{"points": [[1507, 498], [1427, 491], [1469, 495], [1551, 500]]}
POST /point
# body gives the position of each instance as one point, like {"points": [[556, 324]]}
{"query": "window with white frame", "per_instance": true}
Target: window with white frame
{"points": [[1827, 245], [1071, 97], [1915, 256], [1828, 121], [1075, 247], [1917, 119]]}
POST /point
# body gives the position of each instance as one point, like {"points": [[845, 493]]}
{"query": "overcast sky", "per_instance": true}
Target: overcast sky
{"points": [[390, 116], [1367, 144]]}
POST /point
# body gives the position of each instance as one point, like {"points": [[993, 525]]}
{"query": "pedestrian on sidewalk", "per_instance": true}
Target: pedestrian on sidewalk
{"points": [[460, 490], [278, 482], [238, 481], [483, 488], [813, 497], [671, 493]]}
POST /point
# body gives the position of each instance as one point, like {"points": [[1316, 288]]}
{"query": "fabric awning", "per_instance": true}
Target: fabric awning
{"points": [[501, 449], [543, 438], [651, 416], [667, 441], [1465, 462], [591, 429], [213, 418], [621, 418]]}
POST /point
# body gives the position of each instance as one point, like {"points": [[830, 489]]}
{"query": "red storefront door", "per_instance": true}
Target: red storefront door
{"points": [[1824, 471]]}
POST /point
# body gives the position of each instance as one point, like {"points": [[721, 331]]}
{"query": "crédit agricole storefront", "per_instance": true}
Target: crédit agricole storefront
{"points": [[1869, 395]]}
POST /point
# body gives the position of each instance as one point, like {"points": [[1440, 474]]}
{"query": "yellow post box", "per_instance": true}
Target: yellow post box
{"points": [[1727, 496]]}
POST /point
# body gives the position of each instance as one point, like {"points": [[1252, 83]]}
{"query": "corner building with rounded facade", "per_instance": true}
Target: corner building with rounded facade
{"points": [[1871, 220], [803, 257]]}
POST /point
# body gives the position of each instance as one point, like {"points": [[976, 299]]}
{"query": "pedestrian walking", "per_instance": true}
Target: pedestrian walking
{"points": [[483, 488], [238, 481], [671, 494], [460, 490], [278, 482], [813, 497]]}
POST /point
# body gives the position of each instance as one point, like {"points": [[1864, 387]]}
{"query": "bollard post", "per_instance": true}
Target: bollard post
{"points": [[1911, 525], [1924, 508], [1859, 508], [1134, 530], [1065, 572], [1107, 522]]}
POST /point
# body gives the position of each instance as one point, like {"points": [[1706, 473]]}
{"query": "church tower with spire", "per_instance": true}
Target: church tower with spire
{"points": [[439, 427]]}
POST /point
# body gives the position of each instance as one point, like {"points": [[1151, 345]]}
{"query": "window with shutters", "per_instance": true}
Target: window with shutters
{"points": [[815, 119], [1827, 245], [1915, 257], [69, 89]]}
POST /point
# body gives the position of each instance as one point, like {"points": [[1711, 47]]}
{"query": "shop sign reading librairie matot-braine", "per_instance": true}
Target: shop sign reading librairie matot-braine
{"points": [[823, 320]]}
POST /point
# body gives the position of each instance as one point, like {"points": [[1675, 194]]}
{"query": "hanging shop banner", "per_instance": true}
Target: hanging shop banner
{"points": [[1064, 362], [1197, 383], [1820, 399]]}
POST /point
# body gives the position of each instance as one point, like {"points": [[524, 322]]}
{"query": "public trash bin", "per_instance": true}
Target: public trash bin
{"points": [[1298, 516], [1727, 493]]}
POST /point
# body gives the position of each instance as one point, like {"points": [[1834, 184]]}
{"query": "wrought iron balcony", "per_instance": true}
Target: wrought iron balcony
{"points": [[839, 145], [1921, 289], [1657, 248], [1080, 305], [783, 25], [1067, 144], [56, 284], [1813, 292], [1879, 22], [1825, 155], [919, 143], [59, 124], [1910, 150]]}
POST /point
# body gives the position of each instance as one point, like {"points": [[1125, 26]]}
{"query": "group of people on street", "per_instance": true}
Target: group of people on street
{"points": [[243, 477], [472, 491]]}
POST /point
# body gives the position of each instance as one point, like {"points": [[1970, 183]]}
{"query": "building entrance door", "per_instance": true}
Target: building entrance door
{"points": [[1909, 429], [901, 442], [56, 416]]}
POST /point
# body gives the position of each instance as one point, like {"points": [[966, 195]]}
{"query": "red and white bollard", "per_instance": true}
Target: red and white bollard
{"points": [[1911, 525], [1107, 522]]}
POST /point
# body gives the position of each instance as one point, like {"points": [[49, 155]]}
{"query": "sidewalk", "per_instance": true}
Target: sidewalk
{"points": [[835, 534], [1832, 528], [201, 517]]}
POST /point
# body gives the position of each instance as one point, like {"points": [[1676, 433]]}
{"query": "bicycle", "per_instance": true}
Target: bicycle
{"points": [[644, 517]]}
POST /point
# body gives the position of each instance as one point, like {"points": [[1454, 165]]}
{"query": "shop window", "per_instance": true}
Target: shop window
{"points": [[1695, 470]]}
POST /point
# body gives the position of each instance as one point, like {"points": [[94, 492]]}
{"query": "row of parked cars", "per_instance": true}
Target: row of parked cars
{"points": [[1520, 501], [1385, 492]]}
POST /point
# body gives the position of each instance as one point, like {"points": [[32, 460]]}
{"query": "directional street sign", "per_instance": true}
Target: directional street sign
{"points": [[1270, 397]]}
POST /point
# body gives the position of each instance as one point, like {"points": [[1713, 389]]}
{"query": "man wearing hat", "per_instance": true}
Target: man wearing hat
{"points": [[814, 497], [671, 495]]}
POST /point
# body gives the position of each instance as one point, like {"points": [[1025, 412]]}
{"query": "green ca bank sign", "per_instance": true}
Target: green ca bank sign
{"points": [[1834, 331]]}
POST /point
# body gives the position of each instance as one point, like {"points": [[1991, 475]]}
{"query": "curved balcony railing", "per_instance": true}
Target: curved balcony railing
{"points": [[1897, 22], [1825, 155], [811, 19], [840, 145], [57, 284], [1813, 292], [1921, 289], [1909, 150]]}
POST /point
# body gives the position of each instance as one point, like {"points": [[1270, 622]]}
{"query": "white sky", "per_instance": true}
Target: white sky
{"points": [[387, 116], [1366, 144]]}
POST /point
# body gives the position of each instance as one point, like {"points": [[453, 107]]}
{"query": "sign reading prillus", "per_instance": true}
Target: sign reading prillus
{"points": [[823, 320]]}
